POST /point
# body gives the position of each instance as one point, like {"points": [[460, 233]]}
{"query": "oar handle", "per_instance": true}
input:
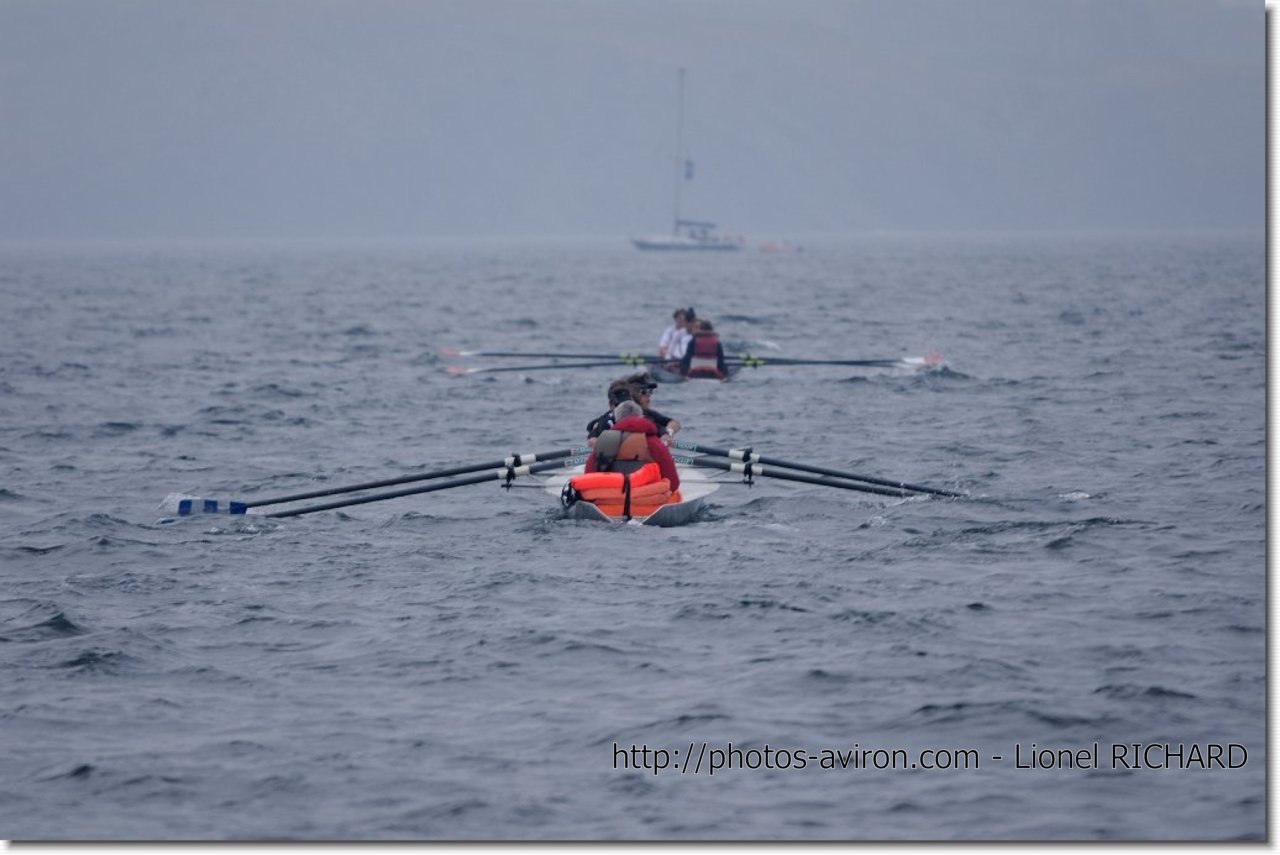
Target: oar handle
{"points": [[705, 449]]}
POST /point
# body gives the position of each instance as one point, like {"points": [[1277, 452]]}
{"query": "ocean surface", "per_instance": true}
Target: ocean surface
{"points": [[468, 664]]}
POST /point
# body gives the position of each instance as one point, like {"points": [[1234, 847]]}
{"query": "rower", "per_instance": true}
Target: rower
{"points": [[638, 388], [705, 355], [630, 444], [676, 337], [642, 386]]}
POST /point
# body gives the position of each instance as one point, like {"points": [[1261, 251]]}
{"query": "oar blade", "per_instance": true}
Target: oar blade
{"points": [[182, 505], [509, 467]]}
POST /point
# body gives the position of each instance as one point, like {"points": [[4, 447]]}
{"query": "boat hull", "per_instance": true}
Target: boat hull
{"points": [[676, 244], [664, 374], [677, 513]]}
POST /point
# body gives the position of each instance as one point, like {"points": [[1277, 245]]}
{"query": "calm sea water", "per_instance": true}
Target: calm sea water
{"points": [[468, 664]]}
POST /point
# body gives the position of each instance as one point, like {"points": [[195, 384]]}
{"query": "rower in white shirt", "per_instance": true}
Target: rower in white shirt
{"points": [[675, 339]]}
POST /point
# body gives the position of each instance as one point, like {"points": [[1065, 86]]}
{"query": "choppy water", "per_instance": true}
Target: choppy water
{"points": [[463, 664]]}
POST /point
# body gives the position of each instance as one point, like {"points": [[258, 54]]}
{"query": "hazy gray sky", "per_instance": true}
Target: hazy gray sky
{"points": [[402, 118]]}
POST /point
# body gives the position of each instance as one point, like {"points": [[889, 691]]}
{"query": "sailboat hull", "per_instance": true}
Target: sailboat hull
{"points": [[680, 243]]}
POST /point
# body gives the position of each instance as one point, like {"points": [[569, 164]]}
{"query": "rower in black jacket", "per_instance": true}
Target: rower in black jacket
{"points": [[639, 388]]}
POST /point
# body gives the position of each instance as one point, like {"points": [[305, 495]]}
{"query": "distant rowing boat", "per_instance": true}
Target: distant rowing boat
{"points": [[667, 371]]}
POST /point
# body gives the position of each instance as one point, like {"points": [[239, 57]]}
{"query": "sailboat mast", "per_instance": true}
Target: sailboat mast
{"points": [[679, 170]]}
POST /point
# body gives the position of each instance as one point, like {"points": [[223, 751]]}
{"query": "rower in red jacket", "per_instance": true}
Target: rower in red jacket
{"points": [[637, 444], [704, 357]]}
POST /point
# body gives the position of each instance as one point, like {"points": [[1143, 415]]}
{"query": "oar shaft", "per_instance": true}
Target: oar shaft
{"points": [[759, 469], [542, 367], [514, 460], [758, 361], [748, 456], [901, 485], [624, 357], [500, 474]]}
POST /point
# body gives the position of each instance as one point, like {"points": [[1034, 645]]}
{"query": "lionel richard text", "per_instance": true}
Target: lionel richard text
{"points": [[1133, 755]]}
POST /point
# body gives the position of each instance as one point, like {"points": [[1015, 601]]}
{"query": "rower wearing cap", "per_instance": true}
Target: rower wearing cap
{"points": [[639, 388], [642, 386]]}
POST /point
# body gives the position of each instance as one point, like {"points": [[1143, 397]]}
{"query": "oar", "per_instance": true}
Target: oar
{"points": [[507, 474], [754, 469], [748, 456], [751, 361], [459, 370], [186, 505], [628, 358]]}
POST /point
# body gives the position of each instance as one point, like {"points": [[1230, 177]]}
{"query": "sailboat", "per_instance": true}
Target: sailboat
{"points": [[686, 234]]}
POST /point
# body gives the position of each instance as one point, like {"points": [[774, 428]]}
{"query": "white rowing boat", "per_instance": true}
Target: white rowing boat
{"points": [[695, 486]]}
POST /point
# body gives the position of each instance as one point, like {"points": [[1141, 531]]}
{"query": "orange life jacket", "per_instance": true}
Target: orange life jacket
{"points": [[645, 475], [637, 510], [637, 493]]}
